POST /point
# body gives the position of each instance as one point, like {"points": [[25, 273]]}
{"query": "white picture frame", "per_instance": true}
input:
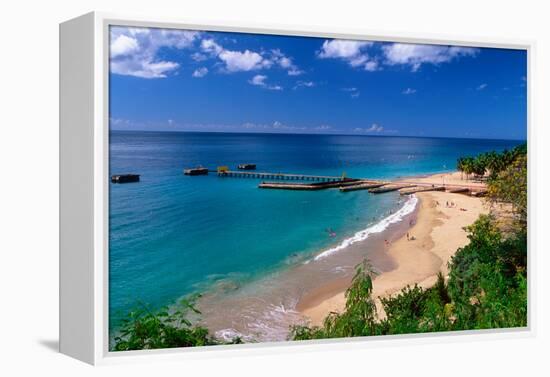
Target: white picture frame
{"points": [[84, 122]]}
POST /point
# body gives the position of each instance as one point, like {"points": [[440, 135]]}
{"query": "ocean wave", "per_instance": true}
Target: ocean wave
{"points": [[271, 324], [380, 226], [229, 334]]}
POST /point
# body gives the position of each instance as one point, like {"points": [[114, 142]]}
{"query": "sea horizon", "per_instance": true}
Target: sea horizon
{"points": [[320, 134]]}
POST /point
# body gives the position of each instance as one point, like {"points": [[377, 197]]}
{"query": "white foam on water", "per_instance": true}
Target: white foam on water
{"points": [[271, 324], [230, 334], [396, 217]]}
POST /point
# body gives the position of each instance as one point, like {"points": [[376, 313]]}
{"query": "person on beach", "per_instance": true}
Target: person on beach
{"points": [[408, 238]]}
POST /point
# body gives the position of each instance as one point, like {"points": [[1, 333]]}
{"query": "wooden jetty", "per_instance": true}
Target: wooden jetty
{"points": [[279, 176], [246, 167], [414, 190], [390, 187], [308, 186], [125, 178], [362, 186], [196, 171], [458, 190], [479, 193]]}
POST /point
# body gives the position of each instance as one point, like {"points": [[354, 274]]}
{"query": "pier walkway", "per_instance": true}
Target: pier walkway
{"points": [[278, 176], [309, 186]]}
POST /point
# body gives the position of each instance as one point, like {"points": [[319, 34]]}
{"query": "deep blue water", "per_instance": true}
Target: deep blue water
{"points": [[171, 234]]}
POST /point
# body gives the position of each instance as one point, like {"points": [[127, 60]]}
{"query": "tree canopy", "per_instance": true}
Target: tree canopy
{"points": [[490, 162]]}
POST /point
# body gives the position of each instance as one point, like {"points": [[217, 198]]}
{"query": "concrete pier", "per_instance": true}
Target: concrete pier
{"points": [[278, 176], [308, 186]]}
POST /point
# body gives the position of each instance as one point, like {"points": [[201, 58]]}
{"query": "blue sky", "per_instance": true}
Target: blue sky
{"points": [[176, 80]]}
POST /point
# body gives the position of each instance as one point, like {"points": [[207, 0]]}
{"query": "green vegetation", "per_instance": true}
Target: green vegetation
{"points": [[487, 283], [147, 329], [490, 162], [510, 186]]}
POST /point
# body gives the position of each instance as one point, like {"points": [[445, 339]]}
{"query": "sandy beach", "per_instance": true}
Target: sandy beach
{"points": [[437, 232]]}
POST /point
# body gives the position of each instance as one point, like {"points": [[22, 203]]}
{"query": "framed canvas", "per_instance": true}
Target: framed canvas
{"points": [[245, 188]]}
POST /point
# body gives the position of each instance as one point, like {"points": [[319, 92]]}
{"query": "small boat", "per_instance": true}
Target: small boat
{"points": [[196, 171], [247, 166], [125, 178]]}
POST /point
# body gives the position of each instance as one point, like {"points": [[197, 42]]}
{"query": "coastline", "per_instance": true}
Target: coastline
{"points": [[438, 233]]}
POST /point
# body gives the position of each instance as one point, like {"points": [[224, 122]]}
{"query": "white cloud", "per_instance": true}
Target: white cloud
{"points": [[415, 55], [200, 72], [281, 127], [323, 127], [119, 123], [134, 50], [123, 45], [374, 128], [210, 46], [275, 87], [144, 69], [481, 86], [285, 62], [373, 56], [352, 52], [354, 92], [295, 72], [236, 61], [371, 66], [198, 57], [275, 126], [259, 80], [304, 84], [358, 60], [408, 91], [339, 48], [244, 61]]}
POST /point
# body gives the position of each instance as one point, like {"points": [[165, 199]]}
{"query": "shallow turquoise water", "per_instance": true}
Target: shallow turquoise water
{"points": [[172, 234]]}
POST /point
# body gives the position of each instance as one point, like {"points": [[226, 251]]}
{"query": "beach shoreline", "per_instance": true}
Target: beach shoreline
{"points": [[438, 232]]}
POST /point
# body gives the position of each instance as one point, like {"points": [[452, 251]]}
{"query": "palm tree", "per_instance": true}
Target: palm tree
{"points": [[460, 166], [468, 166], [479, 165]]}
